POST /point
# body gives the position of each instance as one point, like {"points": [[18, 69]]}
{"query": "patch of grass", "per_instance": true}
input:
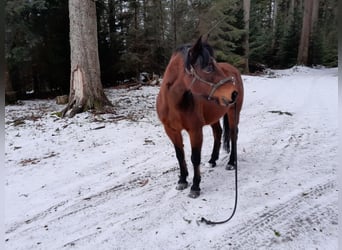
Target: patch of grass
{"points": [[58, 114], [276, 233]]}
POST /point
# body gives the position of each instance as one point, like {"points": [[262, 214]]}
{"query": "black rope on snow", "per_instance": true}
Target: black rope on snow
{"points": [[209, 222]]}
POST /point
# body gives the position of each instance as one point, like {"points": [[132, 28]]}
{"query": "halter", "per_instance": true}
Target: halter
{"points": [[214, 86]]}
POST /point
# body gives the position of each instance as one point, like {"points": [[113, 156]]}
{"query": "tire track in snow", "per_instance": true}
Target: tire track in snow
{"points": [[68, 208], [38, 216], [78, 205], [284, 222]]}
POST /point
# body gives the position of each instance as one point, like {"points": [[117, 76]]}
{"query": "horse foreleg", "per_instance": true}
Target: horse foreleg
{"points": [[177, 140], [196, 138], [182, 182], [217, 132]]}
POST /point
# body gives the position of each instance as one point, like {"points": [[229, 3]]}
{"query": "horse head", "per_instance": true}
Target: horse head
{"points": [[208, 79]]}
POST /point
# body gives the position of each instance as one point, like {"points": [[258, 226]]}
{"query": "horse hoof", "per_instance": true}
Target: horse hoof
{"points": [[182, 186], [212, 163], [230, 167], [194, 194]]}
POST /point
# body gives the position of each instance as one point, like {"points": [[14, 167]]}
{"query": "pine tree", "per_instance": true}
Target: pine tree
{"points": [[324, 43], [226, 30], [37, 46], [261, 33], [289, 42]]}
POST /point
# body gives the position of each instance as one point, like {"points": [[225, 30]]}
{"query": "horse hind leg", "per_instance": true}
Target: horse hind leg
{"points": [[226, 133], [233, 134], [217, 132], [232, 159]]}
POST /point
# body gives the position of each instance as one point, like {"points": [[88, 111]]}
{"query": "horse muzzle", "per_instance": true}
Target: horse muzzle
{"points": [[226, 102]]}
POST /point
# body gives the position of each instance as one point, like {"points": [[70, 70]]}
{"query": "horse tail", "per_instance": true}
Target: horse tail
{"points": [[226, 134]]}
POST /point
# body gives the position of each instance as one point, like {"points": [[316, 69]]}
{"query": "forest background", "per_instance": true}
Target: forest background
{"points": [[137, 36]]}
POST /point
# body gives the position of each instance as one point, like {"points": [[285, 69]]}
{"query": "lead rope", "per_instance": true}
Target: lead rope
{"points": [[209, 222]]}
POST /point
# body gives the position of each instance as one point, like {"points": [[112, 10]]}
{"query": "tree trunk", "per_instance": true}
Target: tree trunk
{"points": [[314, 17], [275, 14], [309, 17], [290, 16], [274, 23], [10, 95], [86, 90], [161, 22], [112, 12], [246, 10], [174, 22]]}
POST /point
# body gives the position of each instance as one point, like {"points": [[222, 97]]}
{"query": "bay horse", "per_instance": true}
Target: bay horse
{"points": [[197, 91]]}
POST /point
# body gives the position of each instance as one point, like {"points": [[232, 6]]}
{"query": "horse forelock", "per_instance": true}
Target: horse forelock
{"points": [[201, 58]]}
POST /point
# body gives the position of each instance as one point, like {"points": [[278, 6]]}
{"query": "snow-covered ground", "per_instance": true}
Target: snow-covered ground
{"points": [[107, 181]]}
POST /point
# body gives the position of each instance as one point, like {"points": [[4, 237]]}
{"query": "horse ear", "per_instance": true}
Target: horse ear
{"points": [[196, 50], [198, 44]]}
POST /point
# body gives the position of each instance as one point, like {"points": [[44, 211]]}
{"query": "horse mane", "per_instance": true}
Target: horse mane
{"points": [[187, 102]]}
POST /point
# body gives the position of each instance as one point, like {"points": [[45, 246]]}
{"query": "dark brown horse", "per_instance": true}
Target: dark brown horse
{"points": [[197, 91]]}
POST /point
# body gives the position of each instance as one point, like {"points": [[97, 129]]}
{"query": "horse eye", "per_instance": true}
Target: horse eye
{"points": [[210, 68]]}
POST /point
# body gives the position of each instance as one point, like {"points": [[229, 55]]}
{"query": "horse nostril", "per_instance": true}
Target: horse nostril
{"points": [[234, 96], [227, 102]]}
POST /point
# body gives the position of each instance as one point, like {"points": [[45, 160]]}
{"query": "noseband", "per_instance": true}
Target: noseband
{"points": [[214, 86]]}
